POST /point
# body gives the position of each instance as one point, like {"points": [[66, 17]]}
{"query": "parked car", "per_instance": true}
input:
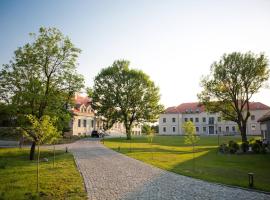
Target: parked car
{"points": [[95, 134]]}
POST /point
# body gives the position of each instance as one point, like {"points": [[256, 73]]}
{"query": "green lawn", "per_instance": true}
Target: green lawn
{"points": [[170, 153], [18, 176]]}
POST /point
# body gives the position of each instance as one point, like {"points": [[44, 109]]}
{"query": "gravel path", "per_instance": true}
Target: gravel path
{"points": [[110, 175]]}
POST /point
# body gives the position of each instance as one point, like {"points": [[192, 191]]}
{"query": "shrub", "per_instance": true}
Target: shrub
{"points": [[223, 148], [244, 146], [233, 146], [255, 147]]}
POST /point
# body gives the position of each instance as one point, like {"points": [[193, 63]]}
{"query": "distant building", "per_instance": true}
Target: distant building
{"points": [[84, 120], [171, 121], [265, 126]]}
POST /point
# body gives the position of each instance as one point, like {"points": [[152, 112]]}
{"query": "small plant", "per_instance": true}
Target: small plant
{"points": [[245, 146], [233, 147], [191, 137], [223, 148]]}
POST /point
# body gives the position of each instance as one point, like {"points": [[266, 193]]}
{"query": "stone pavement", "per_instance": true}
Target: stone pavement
{"points": [[110, 175]]}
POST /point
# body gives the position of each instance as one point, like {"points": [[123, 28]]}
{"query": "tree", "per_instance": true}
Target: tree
{"points": [[231, 84], [44, 131], [41, 79], [191, 137], [125, 95]]}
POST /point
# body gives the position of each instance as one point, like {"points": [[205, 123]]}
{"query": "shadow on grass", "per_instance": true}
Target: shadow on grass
{"points": [[15, 157], [228, 169]]}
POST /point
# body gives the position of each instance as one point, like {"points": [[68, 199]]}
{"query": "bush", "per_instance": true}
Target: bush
{"points": [[257, 146], [233, 146], [245, 146], [223, 148]]}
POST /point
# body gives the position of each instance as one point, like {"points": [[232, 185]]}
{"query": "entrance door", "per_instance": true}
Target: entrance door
{"points": [[211, 130]]}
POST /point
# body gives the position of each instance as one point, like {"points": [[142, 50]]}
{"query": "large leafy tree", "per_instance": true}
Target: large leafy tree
{"points": [[231, 84], [125, 95], [41, 78]]}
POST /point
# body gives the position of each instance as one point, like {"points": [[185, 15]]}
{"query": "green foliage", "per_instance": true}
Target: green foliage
{"points": [[190, 133], [233, 146], [231, 84], [147, 129], [43, 130], [244, 146], [257, 146], [41, 79], [125, 95]]}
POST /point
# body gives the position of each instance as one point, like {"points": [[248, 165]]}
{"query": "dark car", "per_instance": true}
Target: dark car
{"points": [[95, 134]]}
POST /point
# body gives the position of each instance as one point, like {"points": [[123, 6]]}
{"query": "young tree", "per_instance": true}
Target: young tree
{"points": [[191, 137], [41, 79], [44, 131], [231, 84], [126, 95]]}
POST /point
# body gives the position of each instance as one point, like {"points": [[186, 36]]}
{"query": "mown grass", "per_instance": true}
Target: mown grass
{"points": [[18, 176], [170, 153]]}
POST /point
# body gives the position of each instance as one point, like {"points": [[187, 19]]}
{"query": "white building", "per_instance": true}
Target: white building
{"points": [[84, 120], [171, 121]]}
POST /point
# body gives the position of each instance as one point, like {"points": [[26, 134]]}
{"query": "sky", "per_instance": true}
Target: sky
{"points": [[173, 41]]}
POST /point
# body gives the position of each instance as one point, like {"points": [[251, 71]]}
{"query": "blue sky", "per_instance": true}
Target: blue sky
{"points": [[175, 42]]}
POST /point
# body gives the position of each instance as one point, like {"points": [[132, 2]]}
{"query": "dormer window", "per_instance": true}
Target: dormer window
{"points": [[197, 110]]}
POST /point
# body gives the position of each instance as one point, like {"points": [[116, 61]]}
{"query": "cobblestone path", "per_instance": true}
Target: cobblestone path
{"points": [[110, 175]]}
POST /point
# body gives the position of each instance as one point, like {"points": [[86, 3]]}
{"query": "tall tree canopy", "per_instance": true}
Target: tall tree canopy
{"points": [[125, 95], [231, 84], [41, 79]]}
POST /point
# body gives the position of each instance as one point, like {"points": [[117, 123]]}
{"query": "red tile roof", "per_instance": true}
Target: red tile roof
{"points": [[82, 99], [197, 107]]}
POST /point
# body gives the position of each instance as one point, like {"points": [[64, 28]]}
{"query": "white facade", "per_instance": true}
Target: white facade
{"points": [[207, 123], [84, 121]]}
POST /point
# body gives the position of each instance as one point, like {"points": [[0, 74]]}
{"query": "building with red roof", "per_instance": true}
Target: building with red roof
{"points": [[84, 119], [171, 121]]}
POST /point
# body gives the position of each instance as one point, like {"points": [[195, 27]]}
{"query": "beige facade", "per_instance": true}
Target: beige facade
{"points": [[170, 123], [84, 121]]}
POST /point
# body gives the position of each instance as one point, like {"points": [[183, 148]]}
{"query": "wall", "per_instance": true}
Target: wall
{"points": [[219, 127]]}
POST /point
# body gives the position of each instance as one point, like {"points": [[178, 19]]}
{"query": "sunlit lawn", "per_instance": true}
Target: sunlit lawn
{"points": [[170, 153], [18, 176]]}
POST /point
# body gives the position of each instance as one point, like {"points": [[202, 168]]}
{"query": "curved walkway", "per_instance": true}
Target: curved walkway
{"points": [[110, 175]]}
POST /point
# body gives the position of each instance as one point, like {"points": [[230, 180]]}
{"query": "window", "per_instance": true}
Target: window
{"points": [[186, 119], [227, 129], [173, 128], [173, 119], [191, 119], [197, 110], [233, 128], [219, 129], [197, 129], [164, 129], [219, 119], [211, 120], [253, 127], [164, 120], [252, 117], [84, 123], [204, 119], [204, 129], [92, 123], [79, 123], [196, 119]]}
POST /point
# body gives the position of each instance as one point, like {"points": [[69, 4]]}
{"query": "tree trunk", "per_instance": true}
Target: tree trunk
{"points": [[32, 151], [128, 131], [244, 132], [53, 155], [38, 169]]}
